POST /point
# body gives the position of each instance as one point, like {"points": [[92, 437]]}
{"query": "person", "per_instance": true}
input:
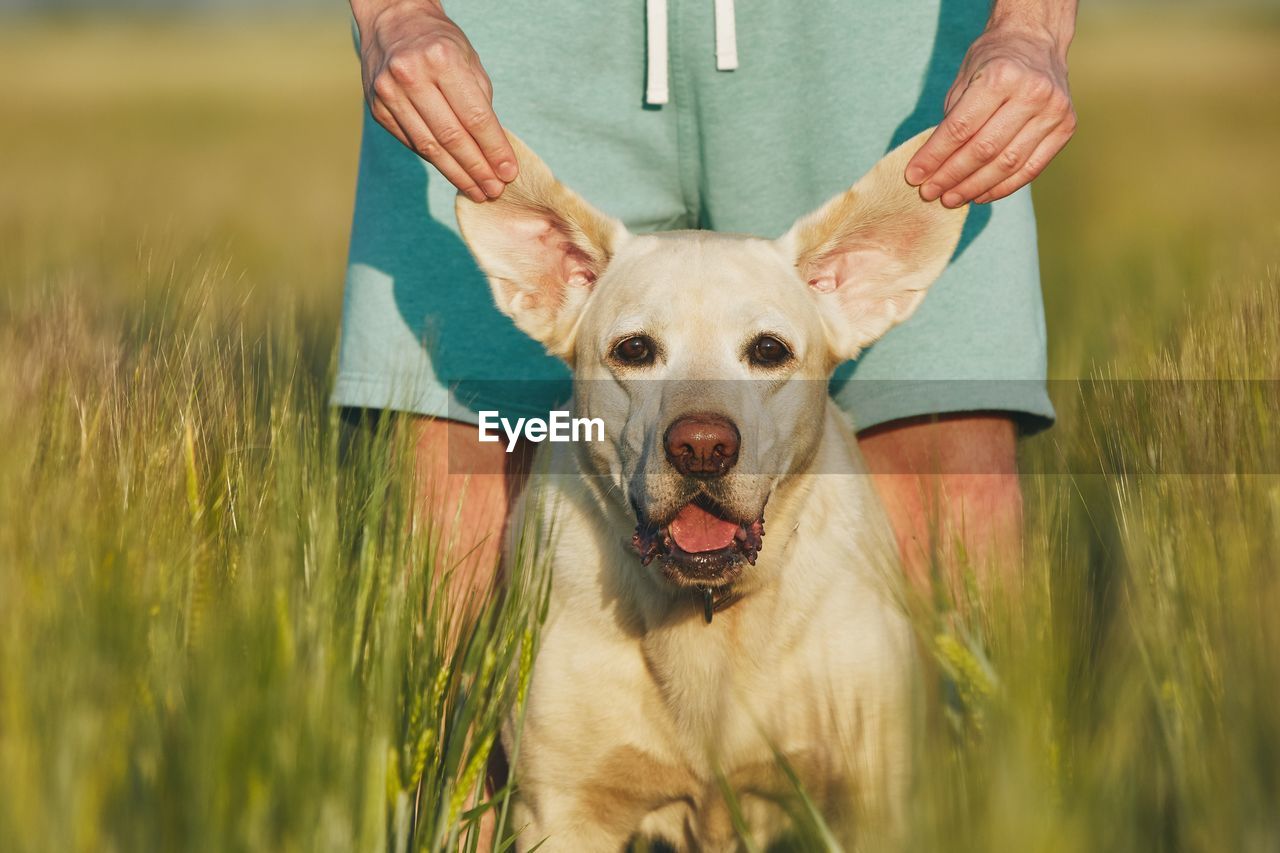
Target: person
{"points": [[723, 115]]}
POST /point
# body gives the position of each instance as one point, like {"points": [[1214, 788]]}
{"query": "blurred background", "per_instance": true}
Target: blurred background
{"points": [[186, 659]]}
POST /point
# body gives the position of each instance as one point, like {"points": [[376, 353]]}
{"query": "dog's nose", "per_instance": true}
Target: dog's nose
{"points": [[702, 445]]}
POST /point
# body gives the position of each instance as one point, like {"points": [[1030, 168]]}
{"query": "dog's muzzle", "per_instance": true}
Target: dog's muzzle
{"points": [[700, 546]]}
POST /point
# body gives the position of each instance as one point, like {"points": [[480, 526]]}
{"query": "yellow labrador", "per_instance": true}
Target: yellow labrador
{"points": [[683, 651]]}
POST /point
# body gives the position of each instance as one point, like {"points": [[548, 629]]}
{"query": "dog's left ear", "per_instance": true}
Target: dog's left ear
{"points": [[870, 254], [542, 247]]}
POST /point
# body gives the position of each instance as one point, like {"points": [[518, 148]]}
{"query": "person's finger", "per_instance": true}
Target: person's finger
{"points": [[469, 103], [1034, 165], [486, 84], [415, 134], [985, 146], [971, 112], [455, 139], [383, 116], [1006, 163]]}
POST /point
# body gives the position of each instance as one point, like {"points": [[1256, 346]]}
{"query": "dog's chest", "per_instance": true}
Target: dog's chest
{"points": [[742, 684]]}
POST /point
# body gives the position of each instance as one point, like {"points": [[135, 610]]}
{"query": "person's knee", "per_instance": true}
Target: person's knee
{"points": [[450, 452], [466, 489], [950, 486], [991, 502], [953, 445]]}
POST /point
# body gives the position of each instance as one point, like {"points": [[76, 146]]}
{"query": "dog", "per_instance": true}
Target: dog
{"points": [[682, 656]]}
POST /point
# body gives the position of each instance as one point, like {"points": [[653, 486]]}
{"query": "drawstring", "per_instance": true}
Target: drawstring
{"points": [[726, 37], [657, 90]]}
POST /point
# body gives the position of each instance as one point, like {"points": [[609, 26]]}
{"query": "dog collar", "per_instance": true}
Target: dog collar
{"points": [[713, 604]]}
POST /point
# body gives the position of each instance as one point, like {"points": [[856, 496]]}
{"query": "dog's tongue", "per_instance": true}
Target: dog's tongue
{"points": [[696, 530]]}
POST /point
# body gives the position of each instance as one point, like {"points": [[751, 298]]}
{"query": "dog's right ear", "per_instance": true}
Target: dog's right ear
{"points": [[543, 249]]}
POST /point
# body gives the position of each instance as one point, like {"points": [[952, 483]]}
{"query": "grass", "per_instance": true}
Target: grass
{"points": [[212, 636]]}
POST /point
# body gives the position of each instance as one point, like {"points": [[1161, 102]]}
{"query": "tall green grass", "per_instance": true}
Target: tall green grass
{"points": [[1126, 698], [222, 627]]}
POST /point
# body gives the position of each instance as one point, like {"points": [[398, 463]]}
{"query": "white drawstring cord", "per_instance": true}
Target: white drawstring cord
{"points": [[726, 37], [657, 89]]}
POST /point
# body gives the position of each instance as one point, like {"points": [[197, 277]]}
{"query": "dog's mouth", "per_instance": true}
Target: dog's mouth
{"points": [[701, 545]]}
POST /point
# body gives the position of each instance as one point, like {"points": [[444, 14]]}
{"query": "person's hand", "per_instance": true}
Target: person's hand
{"points": [[1007, 115], [424, 83]]}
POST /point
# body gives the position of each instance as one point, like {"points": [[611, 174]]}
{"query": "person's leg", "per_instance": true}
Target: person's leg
{"points": [[948, 482], [465, 490], [461, 489]]}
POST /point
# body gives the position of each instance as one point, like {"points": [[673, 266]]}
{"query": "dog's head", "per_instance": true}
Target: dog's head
{"points": [[706, 355]]}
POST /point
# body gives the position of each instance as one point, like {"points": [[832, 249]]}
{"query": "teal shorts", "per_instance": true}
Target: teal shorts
{"points": [[822, 90]]}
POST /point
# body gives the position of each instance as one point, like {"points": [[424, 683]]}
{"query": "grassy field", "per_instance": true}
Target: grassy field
{"points": [[209, 640]]}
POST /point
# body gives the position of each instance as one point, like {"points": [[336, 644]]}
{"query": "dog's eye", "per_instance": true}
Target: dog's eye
{"points": [[636, 349], [768, 351]]}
